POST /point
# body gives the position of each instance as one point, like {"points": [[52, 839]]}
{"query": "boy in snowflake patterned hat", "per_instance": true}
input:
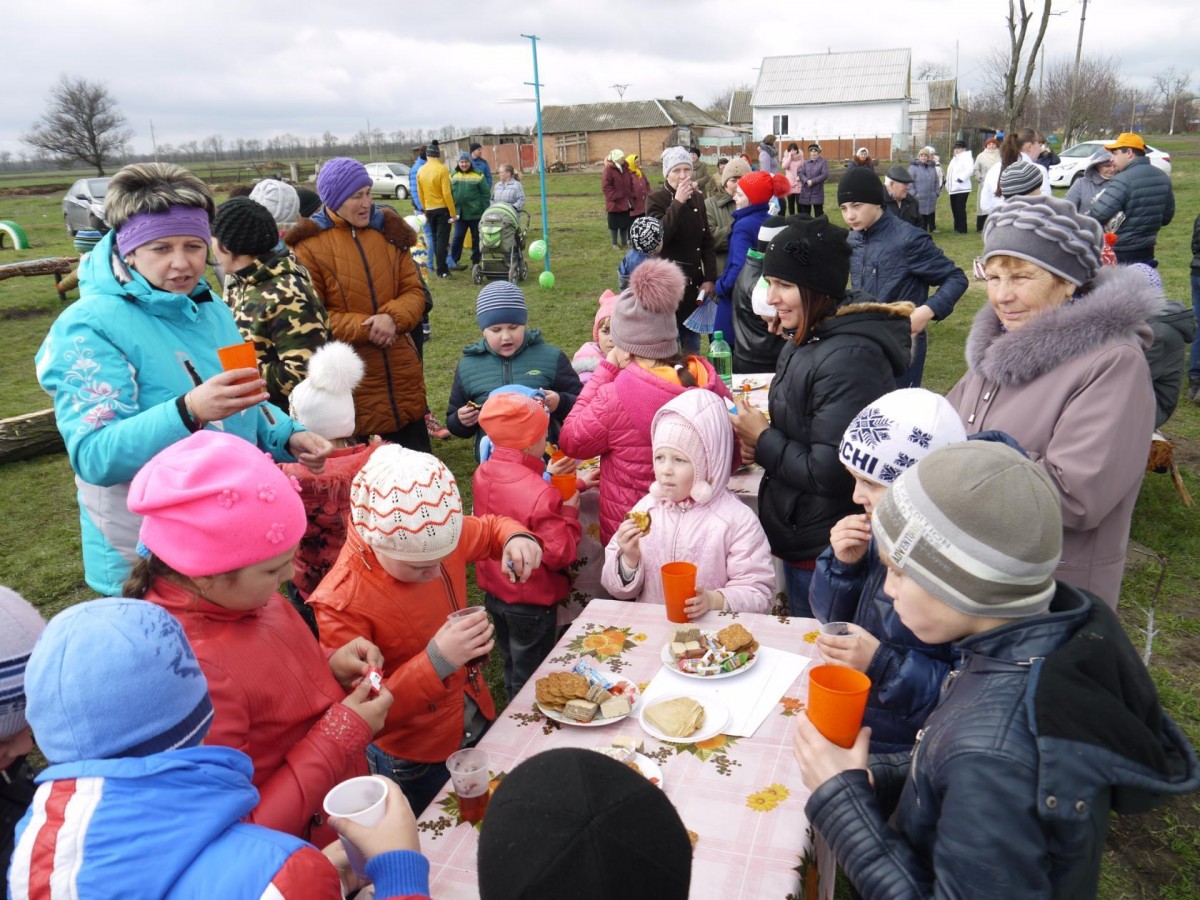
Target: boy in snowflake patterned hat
{"points": [[888, 437]]}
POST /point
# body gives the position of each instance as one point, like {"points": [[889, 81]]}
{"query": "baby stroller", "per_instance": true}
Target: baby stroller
{"points": [[502, 231]]}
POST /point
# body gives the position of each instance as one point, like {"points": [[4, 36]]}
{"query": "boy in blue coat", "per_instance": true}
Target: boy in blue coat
{"points": [[509, 353], [886, 438]]}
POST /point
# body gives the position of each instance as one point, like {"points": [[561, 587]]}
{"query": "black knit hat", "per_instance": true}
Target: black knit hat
{"points": [[310, 201], [811, 254], [245, 226], [860, 185], [574, 823]]}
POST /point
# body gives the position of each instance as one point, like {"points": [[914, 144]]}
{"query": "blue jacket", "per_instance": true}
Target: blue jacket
{"points": [[744, 236], [906, 673], [412, 183], [536, 365], [893, 261], [115, 362], [481, 166], [168, 826], [1144, 194], [926, 185], [630, 261], [1045, 725]]}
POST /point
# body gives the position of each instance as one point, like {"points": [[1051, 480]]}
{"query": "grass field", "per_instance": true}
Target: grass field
{"points": [[1156, 855]]}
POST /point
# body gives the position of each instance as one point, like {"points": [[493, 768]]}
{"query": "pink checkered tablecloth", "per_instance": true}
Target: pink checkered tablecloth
{"points": [[742, 796]]}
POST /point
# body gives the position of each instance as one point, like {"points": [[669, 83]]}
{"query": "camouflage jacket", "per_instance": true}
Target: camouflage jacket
{"points": [[275, 306]]}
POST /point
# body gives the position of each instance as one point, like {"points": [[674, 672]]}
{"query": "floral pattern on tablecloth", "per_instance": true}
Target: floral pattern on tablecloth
{"points": [[452, 816], [768, 798], [791, 705], [714, 749], [808, 872], [604, 643]]}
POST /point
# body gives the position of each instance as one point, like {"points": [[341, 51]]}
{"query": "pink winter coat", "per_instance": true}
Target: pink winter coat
{"points": [[721, 535], [611, 419]]}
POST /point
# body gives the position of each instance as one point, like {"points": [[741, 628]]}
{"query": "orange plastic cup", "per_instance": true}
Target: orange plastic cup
{"points": [[837, 697], [238, 356], [679, 585], [566, 484]]}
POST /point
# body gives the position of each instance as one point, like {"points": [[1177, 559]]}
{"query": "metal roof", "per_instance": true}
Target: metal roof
{"points": [[739, 112], [860, 76], [625, 115], [929, 95]]}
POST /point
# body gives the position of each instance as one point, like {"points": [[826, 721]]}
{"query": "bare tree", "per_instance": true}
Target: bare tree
{"points": [[929, 70], [1171, 84], [720, 102], [81, 124], [1096, 91], [214, 144], [1020, 50], [328, 141]]}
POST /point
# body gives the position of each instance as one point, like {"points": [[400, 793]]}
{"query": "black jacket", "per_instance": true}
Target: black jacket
{"points": [[905, 210], [849, 360], [686, 242], [1144, 194], [755, 349], [1044, 726]]}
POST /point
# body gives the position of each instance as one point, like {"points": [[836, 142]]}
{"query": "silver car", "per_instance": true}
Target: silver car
{"points": [[388, 180], [83, 206]]}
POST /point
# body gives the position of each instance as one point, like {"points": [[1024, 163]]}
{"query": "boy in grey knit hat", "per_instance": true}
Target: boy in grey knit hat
{"points": [[20, 627], [1047, 722]]}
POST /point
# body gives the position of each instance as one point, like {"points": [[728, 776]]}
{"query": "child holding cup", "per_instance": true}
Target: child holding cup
{"points": [[510, 484], [887, 437], [694, 517], [1048, 721], [402, 570]]}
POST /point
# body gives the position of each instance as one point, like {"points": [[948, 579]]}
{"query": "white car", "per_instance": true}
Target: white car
{"points": [[388, 180], [1074, 160]]}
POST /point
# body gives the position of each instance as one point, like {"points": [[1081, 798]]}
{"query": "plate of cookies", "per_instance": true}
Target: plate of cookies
{"points": [[572, 699], [710, 654]]}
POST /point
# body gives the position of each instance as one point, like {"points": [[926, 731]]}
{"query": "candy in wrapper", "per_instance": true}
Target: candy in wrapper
{"points": [[375, 678], [592, 674], [735, 662]]}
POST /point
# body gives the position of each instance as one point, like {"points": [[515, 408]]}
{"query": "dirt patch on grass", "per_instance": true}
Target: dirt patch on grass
{"points": [[26, 313]]}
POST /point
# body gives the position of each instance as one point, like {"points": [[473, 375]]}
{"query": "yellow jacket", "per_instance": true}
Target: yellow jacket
{"points": [[433, 186]]}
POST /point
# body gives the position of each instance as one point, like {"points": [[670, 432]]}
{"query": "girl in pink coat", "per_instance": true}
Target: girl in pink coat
{"points": [[693, 517], [611, 419]]}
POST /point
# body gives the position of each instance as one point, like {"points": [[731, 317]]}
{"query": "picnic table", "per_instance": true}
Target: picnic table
{"points": [[741, 795]]}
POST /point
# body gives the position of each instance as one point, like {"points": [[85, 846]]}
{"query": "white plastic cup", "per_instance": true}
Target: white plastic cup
{"points": [[472, 781], [838, 629], [362, 800]]}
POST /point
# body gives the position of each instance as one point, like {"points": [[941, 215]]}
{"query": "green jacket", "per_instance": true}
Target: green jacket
{"points": [[471, 194], [276, 307]]}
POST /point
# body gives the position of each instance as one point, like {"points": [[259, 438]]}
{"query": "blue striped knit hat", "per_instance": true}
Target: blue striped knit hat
{"points": [[115, 677], [501, 303], [20, 625]]}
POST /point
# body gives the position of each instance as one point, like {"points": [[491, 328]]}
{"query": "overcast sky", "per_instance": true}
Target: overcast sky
{"points": [[251, 69]]}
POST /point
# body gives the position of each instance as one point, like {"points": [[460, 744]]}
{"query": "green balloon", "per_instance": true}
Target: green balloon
{"points": [[537, 250], [546, 279]]}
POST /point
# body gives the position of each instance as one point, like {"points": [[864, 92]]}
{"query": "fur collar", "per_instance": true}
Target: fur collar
{"points": [[383, 219], [1116, 309], [901, 308]]}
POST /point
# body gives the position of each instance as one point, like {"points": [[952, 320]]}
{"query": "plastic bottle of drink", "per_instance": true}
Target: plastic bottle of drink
{"points": [[721, 356]]}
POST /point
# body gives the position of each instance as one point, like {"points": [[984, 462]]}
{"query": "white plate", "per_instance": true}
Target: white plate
{"points": [[648, 767], [669, 661], [716, 717], [558, 717]]}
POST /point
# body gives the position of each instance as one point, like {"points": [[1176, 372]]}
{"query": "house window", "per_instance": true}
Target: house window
{"points": [[779, 125]]}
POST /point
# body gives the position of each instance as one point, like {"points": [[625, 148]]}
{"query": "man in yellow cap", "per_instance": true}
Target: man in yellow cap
{"points": [[1140, 191]]}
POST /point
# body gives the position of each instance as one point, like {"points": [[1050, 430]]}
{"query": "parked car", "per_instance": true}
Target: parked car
{"points": [[1074, 160], [388, 180], [83, 206]]}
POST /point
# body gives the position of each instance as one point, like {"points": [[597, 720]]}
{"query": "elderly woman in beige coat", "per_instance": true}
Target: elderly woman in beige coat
{"points": [[1057, 360]]}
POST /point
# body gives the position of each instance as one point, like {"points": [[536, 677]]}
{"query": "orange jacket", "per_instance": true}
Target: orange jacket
{"points": [[359, 272], [357, 597]]}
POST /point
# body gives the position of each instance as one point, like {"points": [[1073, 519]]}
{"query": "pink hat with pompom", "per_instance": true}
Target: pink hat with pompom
{"points": [[608, 301], [643, 319]]}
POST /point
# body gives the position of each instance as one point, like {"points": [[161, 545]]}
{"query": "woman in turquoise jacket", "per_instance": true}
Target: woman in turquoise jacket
{"points": [[132, 367]]}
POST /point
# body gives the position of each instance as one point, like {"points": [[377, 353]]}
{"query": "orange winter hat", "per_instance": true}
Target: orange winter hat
{"points": [[513, 420]]}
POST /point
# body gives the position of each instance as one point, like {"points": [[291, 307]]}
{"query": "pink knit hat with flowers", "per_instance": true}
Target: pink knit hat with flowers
{"points": [[608, 302], [215, 503], [405, 505]]}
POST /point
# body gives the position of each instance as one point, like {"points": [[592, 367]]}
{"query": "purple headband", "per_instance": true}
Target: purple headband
{"points": [[143, 228]]}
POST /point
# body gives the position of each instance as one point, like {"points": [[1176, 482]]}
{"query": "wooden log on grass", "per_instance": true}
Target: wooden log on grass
{"points": [[53, 265], [30, 435]]}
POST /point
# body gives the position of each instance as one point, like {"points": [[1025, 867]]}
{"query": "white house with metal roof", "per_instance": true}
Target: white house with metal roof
{"points": [[824, 97]]}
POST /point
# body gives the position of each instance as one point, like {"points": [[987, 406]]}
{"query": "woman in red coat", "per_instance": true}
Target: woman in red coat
{"points": [[618, 198]]}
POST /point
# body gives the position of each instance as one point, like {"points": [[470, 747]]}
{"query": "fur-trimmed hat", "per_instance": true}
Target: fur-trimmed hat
{"points": [[643, 321], [324, 401], [896, 431], [405, 505]]}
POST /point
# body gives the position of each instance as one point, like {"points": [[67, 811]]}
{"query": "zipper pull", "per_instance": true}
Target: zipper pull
{"points": [[912, 764]]}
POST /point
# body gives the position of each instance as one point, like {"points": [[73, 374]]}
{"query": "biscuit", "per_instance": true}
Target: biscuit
{"points": [[734, 638]]}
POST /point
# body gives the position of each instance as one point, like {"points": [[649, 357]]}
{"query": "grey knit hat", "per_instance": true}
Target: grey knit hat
{"points": [[978, 526], [20, 627], [735, 168], [1047, 232], [501, 303], [1020, 178], [645, 234], [644, 321], [674, 156]]}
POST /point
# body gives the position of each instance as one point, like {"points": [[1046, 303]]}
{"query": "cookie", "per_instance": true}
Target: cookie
{"points": [[734, 638]]}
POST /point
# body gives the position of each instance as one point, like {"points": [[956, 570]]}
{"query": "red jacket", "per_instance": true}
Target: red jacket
{"points": [[617, 187], [326, 496], [425, 723], [510, 484], [274, 698]]}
